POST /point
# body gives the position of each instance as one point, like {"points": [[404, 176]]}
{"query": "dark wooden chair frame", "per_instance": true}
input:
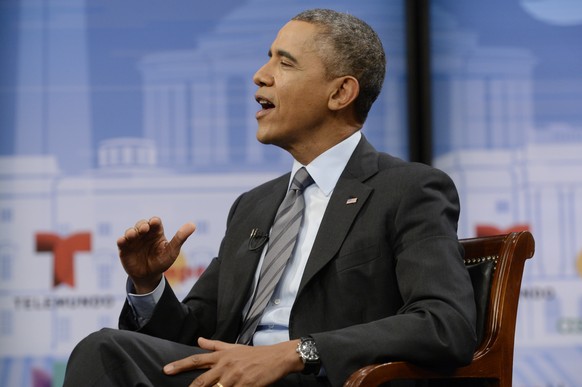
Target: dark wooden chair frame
{"points": [[493, 358]]}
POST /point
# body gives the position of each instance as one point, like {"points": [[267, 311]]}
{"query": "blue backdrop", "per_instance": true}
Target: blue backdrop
{"points": [[507, 102], [114, 111]]}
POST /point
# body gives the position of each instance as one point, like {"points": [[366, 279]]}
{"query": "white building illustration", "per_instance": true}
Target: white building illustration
{"points": [[510, 172], [199, 108]]}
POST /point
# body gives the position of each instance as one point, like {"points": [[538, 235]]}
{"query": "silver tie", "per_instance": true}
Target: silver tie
{"points": [[281, 244]]}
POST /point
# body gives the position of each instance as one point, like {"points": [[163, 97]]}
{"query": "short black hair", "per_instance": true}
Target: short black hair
{"points": [[356, 50]]}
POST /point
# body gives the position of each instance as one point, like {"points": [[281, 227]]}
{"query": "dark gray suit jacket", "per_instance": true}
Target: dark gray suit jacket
{"points": [[385, 279]]}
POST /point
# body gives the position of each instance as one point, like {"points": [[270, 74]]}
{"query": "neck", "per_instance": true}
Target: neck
{"points": [[305, 153]]}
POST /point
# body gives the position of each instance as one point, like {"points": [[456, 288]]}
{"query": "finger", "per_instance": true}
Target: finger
{"points": [[155, 225], [121, 242], [139, 223], [155, 221], [212, 377], [130, 233], [142, 227], [213, 345], [189, 363]]}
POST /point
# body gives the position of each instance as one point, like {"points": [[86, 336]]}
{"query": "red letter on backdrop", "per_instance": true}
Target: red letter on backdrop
{"points": [[63, 250]]}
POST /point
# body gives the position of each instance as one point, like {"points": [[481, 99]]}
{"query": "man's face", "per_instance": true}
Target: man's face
{"points": [[293, 89]]}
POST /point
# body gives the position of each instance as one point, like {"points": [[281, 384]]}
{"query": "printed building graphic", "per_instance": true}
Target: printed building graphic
{"points": [[513, 174], [200, 109], [52, 109], [60, 215], [85, 215]]}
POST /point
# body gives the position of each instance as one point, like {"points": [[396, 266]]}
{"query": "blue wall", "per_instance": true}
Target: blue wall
{"points": [[507, 103], [113, 111]]}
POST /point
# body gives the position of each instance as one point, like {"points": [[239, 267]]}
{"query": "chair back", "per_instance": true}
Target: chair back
{"points": [[495, 264]]}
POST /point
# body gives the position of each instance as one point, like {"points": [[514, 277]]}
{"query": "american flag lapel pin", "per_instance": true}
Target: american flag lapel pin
{"points": [[351, 200]]}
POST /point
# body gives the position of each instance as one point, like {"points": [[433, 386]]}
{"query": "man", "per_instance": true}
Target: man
{"points": [[375, 272]]}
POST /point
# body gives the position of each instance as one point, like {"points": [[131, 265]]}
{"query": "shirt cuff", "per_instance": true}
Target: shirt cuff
{"points": [[143, 305]]}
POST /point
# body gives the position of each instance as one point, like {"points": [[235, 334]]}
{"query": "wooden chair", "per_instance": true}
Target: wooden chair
{"points": [[496, 265]]}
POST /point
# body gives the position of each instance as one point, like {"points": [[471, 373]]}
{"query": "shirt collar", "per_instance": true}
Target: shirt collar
{"points": [[326, 168]]}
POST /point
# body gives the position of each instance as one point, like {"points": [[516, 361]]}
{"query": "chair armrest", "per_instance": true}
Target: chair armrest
{"points": [[376, 374]]}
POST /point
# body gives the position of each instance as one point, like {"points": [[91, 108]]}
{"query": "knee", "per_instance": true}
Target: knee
{"points": [[97, 338], [85, 361], [95, 343]]}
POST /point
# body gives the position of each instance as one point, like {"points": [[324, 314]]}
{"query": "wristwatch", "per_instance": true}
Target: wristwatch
{"points": [[308, 353]]}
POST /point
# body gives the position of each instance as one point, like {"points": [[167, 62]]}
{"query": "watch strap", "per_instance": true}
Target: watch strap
{"points": [[307, 351]]}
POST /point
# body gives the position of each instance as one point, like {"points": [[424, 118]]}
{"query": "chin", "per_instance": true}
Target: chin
{"points": [[263, 136], [263, 141]]}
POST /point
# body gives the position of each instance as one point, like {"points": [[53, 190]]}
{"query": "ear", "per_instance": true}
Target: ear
{"points": [[345, 91]]}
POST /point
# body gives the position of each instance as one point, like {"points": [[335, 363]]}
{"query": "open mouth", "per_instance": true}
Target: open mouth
{"points": [[265, 103]]}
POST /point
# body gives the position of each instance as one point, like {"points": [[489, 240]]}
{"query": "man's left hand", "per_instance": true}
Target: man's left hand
{"points": [[239, 365]]}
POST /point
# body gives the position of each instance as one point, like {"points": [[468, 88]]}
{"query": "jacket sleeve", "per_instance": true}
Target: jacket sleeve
{"points": [[435, 324], [177, 321]]}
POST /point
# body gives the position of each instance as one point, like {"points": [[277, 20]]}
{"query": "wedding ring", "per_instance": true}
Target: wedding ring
{"points": [[218, 384]]}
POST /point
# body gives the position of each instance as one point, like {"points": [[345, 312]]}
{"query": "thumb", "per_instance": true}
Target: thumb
{"points": [[181, 235]]}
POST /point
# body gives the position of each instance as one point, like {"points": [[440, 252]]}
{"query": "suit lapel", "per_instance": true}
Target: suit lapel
{"points": [[338, 218], [348, 198], [241, 270]]}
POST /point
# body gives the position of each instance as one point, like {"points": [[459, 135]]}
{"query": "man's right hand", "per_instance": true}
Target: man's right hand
{"points": [[146, 254]]}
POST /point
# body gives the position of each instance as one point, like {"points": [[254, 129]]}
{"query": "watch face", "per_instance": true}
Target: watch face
{"points": [[308, 350], [308, 353]]}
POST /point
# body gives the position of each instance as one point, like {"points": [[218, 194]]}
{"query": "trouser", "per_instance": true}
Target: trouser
{"points": [[112, 357]]}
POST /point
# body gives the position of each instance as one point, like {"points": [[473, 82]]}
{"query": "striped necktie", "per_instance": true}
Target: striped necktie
{"points": [[281, 244]]}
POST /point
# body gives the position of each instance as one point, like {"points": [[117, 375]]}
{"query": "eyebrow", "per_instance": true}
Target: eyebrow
{"points": [[285, 54]]}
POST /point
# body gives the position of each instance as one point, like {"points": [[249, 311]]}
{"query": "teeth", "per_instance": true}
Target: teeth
{"points": [[265, 103]]}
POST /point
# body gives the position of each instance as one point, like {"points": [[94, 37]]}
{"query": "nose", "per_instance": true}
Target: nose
{"points": [[263, 76]]}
